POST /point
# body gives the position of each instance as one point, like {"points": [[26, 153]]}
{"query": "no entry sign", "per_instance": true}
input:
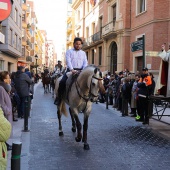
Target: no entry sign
{"points": [[5, 9]]}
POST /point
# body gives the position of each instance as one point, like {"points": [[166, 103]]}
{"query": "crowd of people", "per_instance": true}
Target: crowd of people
{"points": [[129, 93], [15, 88]]}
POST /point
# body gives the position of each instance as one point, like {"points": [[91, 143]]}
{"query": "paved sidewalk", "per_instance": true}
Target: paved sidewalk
{"points": [[24, 137]]}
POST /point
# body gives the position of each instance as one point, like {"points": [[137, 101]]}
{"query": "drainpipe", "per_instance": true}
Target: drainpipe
{"points": [[83, 17], [130, 13]]}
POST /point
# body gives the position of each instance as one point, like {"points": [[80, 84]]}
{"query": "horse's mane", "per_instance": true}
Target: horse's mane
{"points": [[89, 71]]}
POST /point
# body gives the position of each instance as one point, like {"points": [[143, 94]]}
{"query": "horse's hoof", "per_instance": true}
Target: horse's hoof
{"points": [[61, 133], [86, 146], [73, 129], [77, 139]]}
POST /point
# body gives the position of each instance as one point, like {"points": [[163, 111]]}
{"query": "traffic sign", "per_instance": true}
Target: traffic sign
{"points": [[152, 53], [137, 45], [5, 9]]}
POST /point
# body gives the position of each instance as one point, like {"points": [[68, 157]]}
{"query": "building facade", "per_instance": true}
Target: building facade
{"points": [[11, 49], [109, 27], [70, 26]]}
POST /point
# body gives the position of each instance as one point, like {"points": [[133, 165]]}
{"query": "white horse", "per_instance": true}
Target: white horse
{"points": [[79, 95]]}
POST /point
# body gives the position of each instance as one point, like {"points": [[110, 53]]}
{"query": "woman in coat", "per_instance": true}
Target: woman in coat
{"points": [[5, 131], [5, 100]]}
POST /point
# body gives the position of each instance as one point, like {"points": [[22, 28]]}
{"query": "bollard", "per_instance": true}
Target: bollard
{"points": [[26, 114], [107, 102], [16, 155]]}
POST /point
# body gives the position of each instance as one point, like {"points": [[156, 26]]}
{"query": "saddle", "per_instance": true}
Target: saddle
{"points": [[71, 79]]}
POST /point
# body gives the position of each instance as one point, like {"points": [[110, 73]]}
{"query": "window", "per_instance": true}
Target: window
{"points": [[100, 55], [15, 15], [78, 16], [93, 28], [87, 32], [19, 45], [1, 65], [10, 37], [20, 21], [23, 51], [93, 56], [87, 54], [4, 32], [15, 41], [87, 7], [141, 6], [114, 14], [100, 24]]}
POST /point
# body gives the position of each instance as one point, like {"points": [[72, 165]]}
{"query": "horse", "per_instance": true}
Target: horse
{"points": [[46, 82], [79, 96], [54, 77]]}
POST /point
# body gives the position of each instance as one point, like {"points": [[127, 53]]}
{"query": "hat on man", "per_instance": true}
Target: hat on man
{"points": [[145, 69], [20, 68], [121, 73], [59, 61]]}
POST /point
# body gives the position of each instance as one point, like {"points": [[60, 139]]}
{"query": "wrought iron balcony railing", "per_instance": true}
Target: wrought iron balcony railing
{"points": [[108, 27]]}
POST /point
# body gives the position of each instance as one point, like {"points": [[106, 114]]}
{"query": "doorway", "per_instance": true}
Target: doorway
{"points": [[139, 64], [113, 62]]}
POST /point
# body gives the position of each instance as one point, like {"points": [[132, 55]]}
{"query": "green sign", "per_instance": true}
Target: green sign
{"points": [[137, 45]]}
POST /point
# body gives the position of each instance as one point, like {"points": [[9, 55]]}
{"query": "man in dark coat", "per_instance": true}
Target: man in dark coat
{"points": [[22, 84]]}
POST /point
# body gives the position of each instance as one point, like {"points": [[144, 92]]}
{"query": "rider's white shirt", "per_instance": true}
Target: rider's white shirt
{"points": [[76, 59]]}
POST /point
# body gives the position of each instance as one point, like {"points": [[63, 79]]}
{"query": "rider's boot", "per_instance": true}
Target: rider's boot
{"points": [[59, 97]]}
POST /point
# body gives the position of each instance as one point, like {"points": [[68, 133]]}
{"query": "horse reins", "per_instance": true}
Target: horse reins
{"points": [[90, 93]]}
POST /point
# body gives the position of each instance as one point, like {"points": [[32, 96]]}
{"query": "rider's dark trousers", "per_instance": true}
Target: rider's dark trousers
{"points": [[62, 85]]}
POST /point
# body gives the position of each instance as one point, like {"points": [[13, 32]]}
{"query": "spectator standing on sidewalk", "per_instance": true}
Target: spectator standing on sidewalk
{"points": [[143, 93], [134, 96], [5, 131], [6, 106], [22, 85], [126, 94]]}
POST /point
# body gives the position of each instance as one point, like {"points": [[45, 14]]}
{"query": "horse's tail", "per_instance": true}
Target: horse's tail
{"points": [[63, 108]]}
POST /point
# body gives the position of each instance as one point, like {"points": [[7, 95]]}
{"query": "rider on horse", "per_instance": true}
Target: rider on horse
{"points": [[76, 59], [59, 69]]}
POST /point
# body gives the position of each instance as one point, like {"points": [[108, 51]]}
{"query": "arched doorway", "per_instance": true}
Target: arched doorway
{"points": [[113, 62]]}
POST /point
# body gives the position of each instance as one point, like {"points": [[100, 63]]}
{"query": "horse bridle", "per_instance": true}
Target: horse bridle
{"points": [[90, 93]]}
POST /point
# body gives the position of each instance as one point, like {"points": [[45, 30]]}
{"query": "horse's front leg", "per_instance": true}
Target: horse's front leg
{"points": [[59, 121], [85, 127], [78, 124], [73, 121]]}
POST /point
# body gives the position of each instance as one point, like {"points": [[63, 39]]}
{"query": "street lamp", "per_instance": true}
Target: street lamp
{"points": [[36, 76], [36, 57]]}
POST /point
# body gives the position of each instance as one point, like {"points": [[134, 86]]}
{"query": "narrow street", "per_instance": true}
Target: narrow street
{"points": [[116, 143]]}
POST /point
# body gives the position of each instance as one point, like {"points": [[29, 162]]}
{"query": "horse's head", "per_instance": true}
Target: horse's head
{"points": [[95, 84]]}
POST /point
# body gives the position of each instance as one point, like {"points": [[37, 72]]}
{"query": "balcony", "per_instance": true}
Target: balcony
{"points": [[32, 40], [24, 7], [28, 9], [8, 49], [94, 39], [29, 59], [29, 45], [24, 43], [109, 29], [24, 25]]}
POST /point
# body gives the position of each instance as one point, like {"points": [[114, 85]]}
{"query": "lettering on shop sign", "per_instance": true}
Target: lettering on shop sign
{"points": [[152, 53], [137, 45]]}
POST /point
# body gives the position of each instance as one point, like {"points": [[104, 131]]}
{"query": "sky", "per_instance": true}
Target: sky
{"points": [[51, 15]]}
